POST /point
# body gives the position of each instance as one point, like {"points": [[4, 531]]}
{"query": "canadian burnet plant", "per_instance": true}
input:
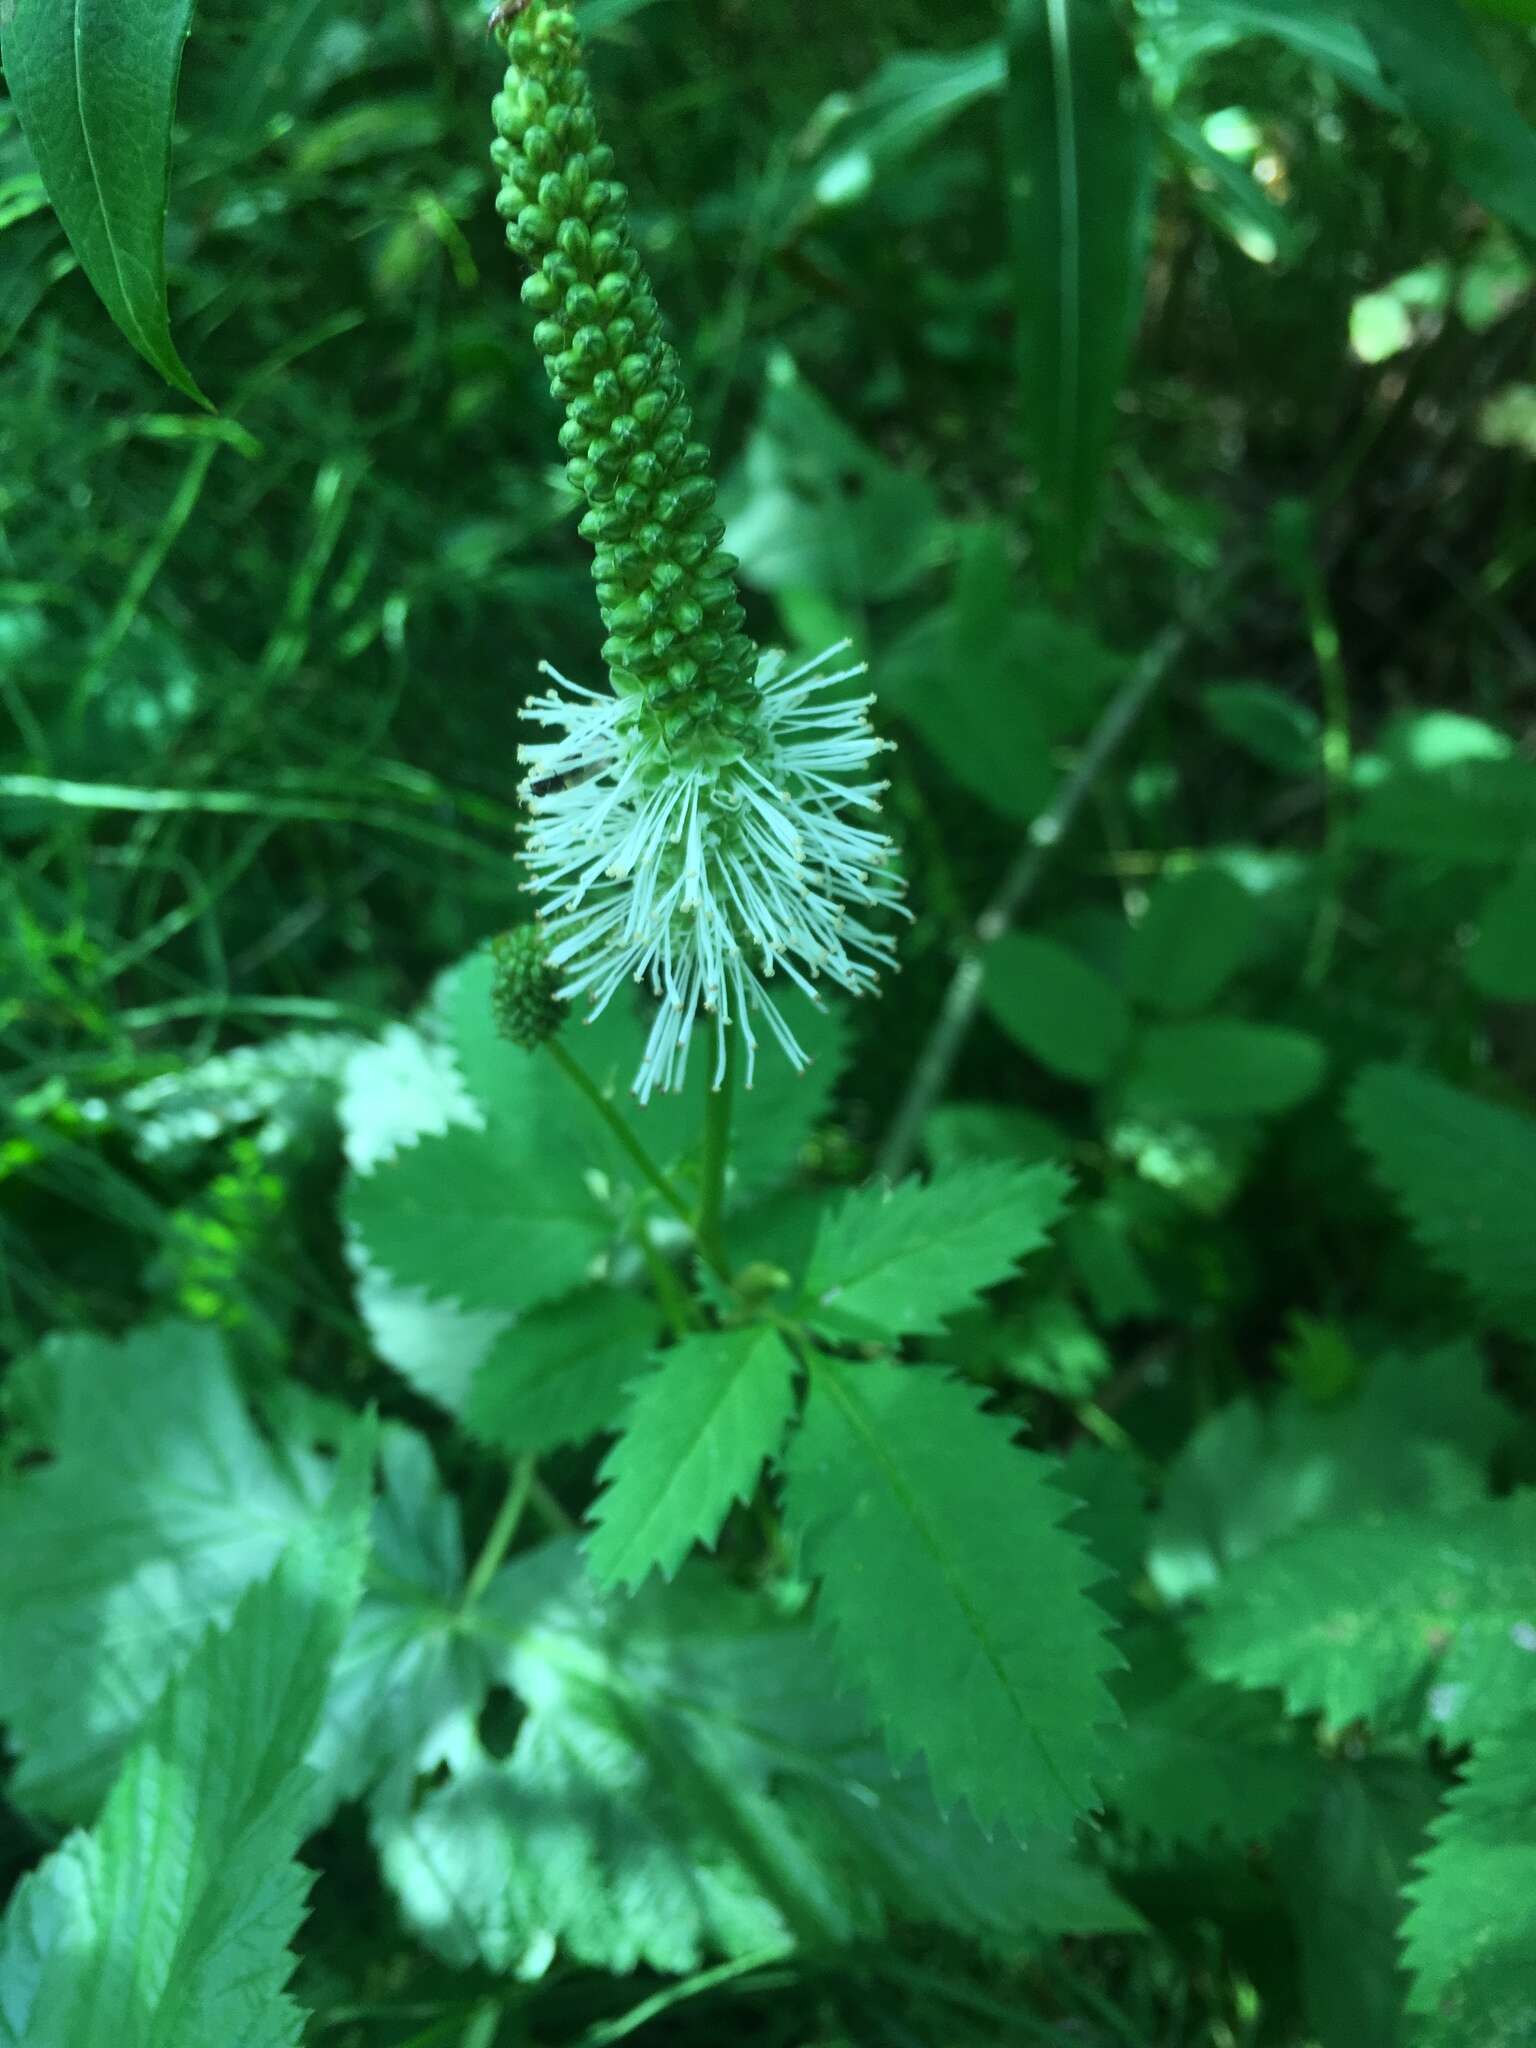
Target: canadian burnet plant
{"points": [[705, 824]]}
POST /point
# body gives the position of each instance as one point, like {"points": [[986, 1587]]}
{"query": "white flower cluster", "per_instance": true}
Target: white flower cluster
{"points": [[704, 878]]}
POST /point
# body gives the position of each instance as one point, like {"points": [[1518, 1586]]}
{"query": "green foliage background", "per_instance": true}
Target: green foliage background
{"points": [[1197, 490]]}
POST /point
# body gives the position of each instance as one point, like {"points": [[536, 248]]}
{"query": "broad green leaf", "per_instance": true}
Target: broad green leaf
{"points": [[1080, 152], [961, 679], [1463, 1172], [162, 1504], [897, 1261], [1501, 961], [558, 1376], [956, 1600], [167, 1926], [1056, 1006], [1197, 1759], [699, 1430], [1197, 932], [811, 506], [1217, 1067], [1271, 727], [1100, 1240], [689, 1780], [1319, 30], [1429, 55], [1351, 1619], [1470, 1936], [1340, 1875], [1416, 1436], [411, 1676], [1472, 812], [94, 82]]}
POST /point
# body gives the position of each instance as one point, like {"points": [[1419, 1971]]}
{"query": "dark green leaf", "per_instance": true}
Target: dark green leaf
{"points": [[94, 82], [1217, 1067], [558, 1376], [957, 1601], [1059, 1008], [1080, 153], [1198, 930]]}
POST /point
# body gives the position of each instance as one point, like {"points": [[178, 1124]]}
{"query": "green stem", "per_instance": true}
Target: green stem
{"points": [[718, 1104], [644, 1164], [1337, 765], [503, 1529]]}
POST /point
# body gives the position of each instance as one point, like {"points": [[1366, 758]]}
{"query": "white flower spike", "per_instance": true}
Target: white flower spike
{"points": [[703, 877]]}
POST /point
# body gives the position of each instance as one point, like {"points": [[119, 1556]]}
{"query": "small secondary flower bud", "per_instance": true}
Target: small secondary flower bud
{"points": [[524, 994]]}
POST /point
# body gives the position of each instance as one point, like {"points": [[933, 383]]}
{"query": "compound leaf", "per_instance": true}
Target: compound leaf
{"points": [[956, 1599], [558, 1376], [899, 1260], [699, 1430]]}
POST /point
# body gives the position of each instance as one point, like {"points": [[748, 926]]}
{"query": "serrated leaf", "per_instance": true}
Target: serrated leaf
{"points": [[94, 82], [1340, 1875], [1198, 930], [1220, 1067], [1197, 1759], [163, 1503], [1416, 1436], [559, 1375], [167, 1926], [898, 1261], [1464, 1173], [1470, 1936], [956, 1599], [1473, 812], [1056, 1006], [1352, 1619], [1080, 153], [412, 1675], [699, 1430], [688, 1780]]}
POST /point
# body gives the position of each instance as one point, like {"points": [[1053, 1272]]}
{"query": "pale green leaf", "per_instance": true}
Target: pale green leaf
{"points": [[697, 1435], [167, 1926], [1463, 1172], [1056, 1006], [162, 1503], [956, 1599], [898, 1261], [688, 1780], [1080, 145], [1220, 1067], [94, 82], [1198, 930], [558, 1376], [1470, 1936], [1416, 1435], [1352, 1619]]}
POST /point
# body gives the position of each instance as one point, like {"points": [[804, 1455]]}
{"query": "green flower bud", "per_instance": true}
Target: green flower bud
{"points": [[523, 988], [628, 433]]}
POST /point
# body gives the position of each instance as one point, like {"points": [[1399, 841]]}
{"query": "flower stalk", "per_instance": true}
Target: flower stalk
{"points": [[704, 826]]}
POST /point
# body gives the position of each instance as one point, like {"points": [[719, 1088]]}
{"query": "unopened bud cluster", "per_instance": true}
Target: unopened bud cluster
{"points": [[524, 988], [665, 586]]}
